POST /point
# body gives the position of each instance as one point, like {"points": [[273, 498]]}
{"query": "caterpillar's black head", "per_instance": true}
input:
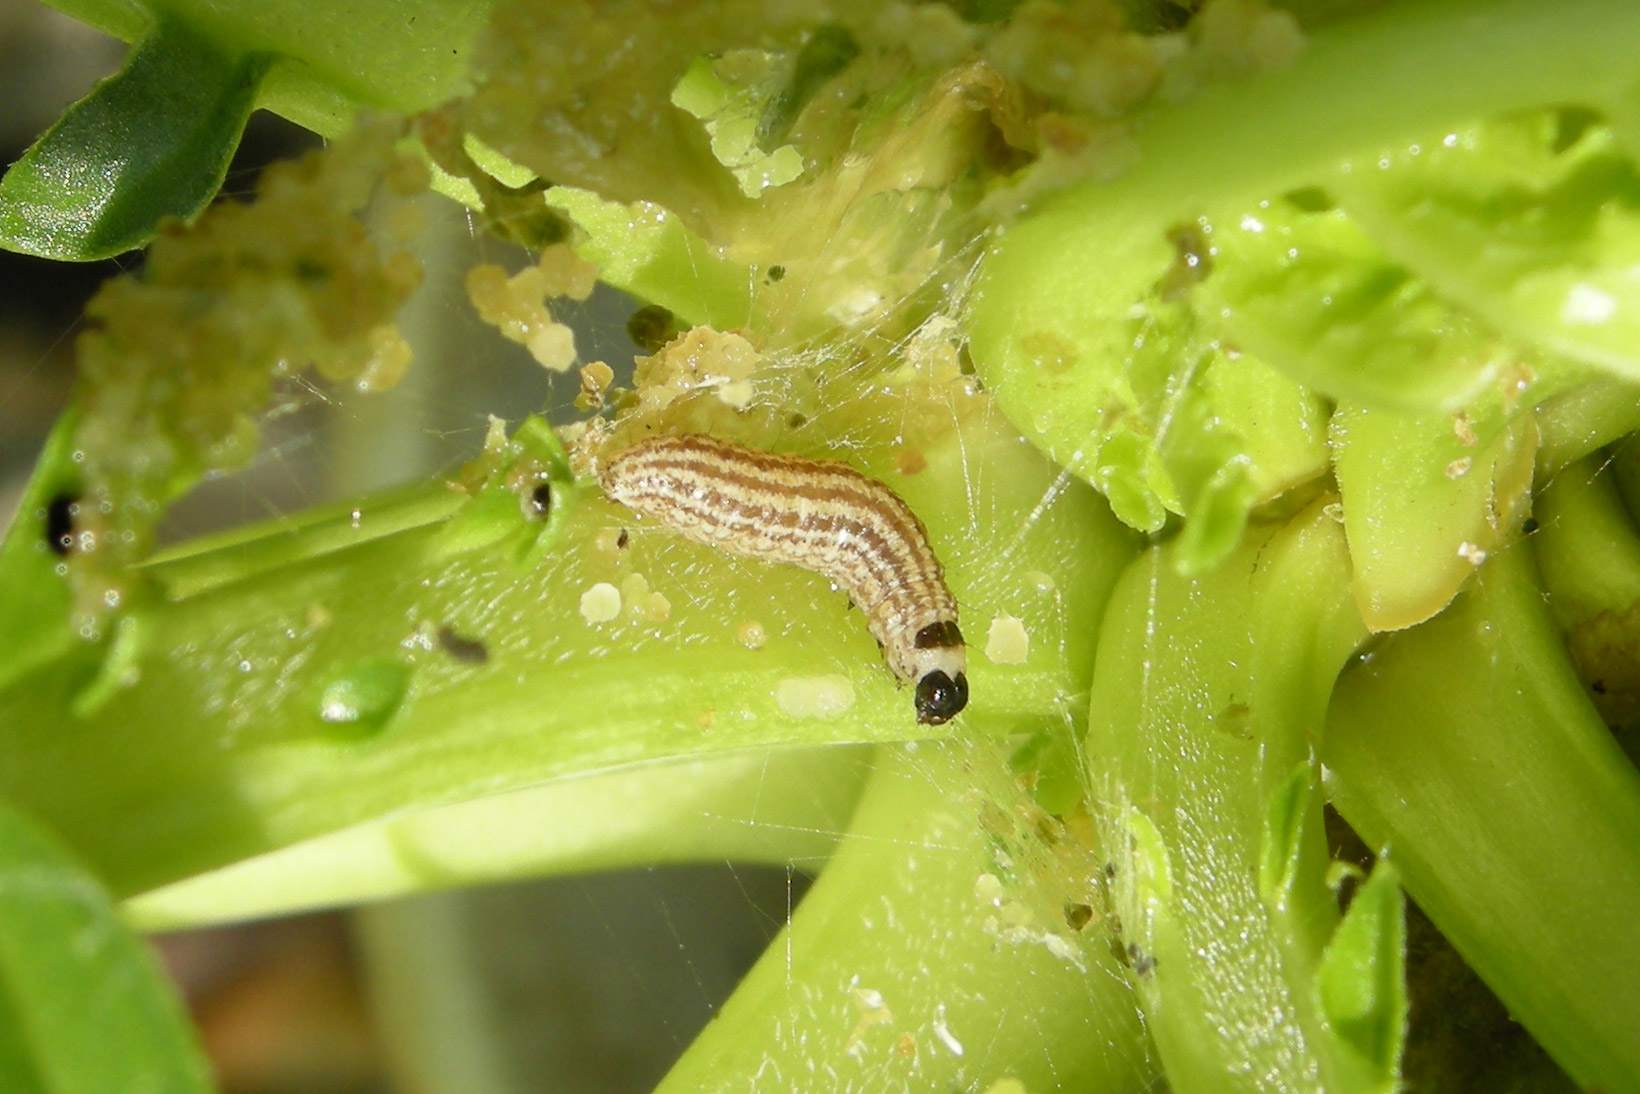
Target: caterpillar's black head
{"points": [[939, 697]]}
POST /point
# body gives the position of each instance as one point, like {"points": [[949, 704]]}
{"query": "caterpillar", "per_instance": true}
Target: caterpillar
{"points": [[820, 515]]}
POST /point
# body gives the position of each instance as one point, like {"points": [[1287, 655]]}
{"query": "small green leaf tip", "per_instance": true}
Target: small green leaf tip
{"points": [[150, 142], [1361, 982]]}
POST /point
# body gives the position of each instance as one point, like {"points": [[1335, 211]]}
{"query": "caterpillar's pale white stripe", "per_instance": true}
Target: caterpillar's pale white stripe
{"points": [[822, 516]]}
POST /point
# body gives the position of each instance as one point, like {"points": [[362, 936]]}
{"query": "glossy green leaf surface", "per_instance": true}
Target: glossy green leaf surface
{"points": [[1532, 221], [152, 141]]}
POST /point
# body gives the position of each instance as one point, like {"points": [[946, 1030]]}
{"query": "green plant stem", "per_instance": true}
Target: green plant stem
{"points": [[779, 806], [1467, 747], [324, 687], [932, 954], [1586, 546], [1208, 696]]}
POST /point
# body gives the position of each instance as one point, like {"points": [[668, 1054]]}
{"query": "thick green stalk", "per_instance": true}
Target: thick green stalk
{"points": [[777, 806], [1207, 701], [935, 953], [1469, 749], [324, 687]]}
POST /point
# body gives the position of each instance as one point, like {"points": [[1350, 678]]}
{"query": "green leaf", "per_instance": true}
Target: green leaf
{"points": [[830, 48], [330, 59], [1362, 979], [1532, 221], [1306, 290], [730, 94], [152, 141], [1427, 497], [1239, 434], [652, 254], [83, 1007], [1165, 419], [1282, 848]]}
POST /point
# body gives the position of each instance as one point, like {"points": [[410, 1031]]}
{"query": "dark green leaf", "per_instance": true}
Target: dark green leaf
{"points": [[1362, 981], [152, 141]]}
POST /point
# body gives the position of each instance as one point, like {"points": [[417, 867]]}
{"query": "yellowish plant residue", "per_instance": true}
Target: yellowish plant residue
{"points": [[180, 356], [815, 696], [1007, 642], [596, 377], [516, 307], [701, 359], [642, 601], [601, 603]]}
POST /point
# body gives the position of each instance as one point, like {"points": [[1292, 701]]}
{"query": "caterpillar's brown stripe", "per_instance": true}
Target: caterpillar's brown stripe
{"points": [[822, 516]]}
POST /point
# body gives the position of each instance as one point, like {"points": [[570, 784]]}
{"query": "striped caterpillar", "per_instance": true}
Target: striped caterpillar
{"points": [[823, 516]]}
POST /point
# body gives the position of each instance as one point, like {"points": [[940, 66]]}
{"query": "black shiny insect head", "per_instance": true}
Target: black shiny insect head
{"points": [[939, 697]]}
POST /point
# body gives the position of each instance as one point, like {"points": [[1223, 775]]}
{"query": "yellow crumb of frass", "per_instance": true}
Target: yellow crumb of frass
{"points": [[1007, 642], [601, 603]]}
